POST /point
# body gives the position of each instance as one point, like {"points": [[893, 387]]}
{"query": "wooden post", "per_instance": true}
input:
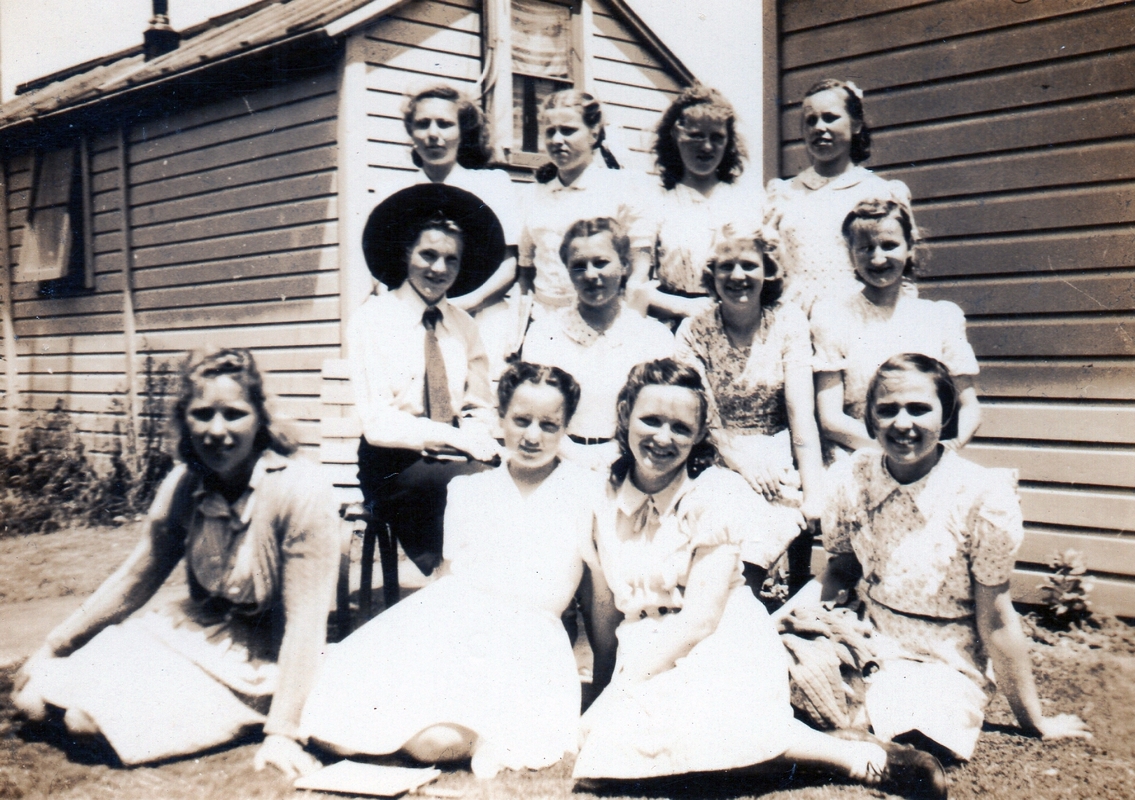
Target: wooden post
{"points": [[770, 75], [130, 345], [355, 282], [8, 331]]}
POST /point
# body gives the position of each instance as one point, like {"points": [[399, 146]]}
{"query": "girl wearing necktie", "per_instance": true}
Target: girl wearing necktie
{"points": [[418, 367]]}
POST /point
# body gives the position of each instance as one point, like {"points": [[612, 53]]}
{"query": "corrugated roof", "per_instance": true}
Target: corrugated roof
{"points": [[260, 24], [250, 28]]}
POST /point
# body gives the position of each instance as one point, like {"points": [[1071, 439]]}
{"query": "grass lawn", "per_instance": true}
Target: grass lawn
{"points": [[1091, 676]]}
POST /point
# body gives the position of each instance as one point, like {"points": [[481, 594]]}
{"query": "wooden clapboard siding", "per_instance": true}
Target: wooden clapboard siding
{"points": [[233, 228], [420, 41], [1013, 125], [91, 387], [634, 86]]}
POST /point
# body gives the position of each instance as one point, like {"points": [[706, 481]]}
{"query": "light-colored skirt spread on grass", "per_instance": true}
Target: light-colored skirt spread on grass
{"points": [[167, 683], [452, 653], [723, 706]]}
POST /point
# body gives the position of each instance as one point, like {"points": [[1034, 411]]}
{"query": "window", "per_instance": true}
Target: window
{"points": [[56, 245], [535, 48], [541, 64]]}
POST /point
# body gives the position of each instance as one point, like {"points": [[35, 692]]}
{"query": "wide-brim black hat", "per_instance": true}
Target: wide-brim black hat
{"points": [[394, 225]]}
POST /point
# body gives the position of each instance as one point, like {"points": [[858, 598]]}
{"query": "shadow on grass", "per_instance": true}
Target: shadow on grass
{"points": [[710, 785]]}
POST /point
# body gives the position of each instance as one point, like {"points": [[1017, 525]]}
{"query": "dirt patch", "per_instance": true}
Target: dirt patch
{"points": [[71, 562]]}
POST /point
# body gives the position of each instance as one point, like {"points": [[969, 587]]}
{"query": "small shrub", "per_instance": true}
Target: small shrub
{"points": [[1064, 594], [51, 483]]}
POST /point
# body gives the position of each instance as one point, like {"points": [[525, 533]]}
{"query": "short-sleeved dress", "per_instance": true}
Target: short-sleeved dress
{"points": [[854, 337], [482, 647], [922, 547], [686, 224], [239, 645], [600, 363], [549, 209], [725, 704], [747, 383], [808, 213]]}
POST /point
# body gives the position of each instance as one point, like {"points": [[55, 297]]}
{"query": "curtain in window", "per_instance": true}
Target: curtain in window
{"points": [[541, 39], [46, 251]]}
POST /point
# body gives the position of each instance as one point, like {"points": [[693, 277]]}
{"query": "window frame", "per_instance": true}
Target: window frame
{"points": [[79, 274], [499, 74]]}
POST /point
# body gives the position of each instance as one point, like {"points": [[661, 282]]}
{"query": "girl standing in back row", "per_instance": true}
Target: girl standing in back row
{"points": [[808, 210]]}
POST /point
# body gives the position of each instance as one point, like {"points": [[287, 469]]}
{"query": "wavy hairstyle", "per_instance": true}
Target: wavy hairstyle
{"points": [[473, 152], [538, 375], [874, 211], [773, 286], [663, 372], [581, 229], [591, 112], [944, 387], [238, 364], [704, 103], [861, 141]]}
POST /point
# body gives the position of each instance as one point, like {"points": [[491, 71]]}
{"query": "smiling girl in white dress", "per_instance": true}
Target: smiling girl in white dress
{"points": [[478, 664], [854, 334], [701, 678]]}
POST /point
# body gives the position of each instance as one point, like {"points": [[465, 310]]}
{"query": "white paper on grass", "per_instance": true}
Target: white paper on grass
{"points": [[351, 777]]}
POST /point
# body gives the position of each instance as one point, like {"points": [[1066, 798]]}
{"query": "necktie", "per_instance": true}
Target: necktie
{"points": [[439, 408], [647, 519]]}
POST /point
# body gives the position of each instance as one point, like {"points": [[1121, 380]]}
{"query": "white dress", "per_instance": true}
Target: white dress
{"points": [[686, 225], [854, 336], [482, 647], [808, 213], [726, 703]]}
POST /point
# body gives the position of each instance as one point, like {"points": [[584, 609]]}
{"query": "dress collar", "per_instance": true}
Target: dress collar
{"points": [[584, 182], [811, 179], [881, 485], [630, 498], [213, 504], [577, 329]]}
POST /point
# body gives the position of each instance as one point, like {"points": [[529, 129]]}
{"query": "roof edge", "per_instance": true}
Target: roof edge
{"points": [[651, 38]]}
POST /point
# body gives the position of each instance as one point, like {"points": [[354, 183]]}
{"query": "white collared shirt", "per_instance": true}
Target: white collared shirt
{"points": [[549, 209], [600, 362], [386, 354]]}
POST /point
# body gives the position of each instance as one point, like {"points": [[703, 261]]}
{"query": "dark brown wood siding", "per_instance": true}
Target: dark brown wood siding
{"points": [[1013, 125]]}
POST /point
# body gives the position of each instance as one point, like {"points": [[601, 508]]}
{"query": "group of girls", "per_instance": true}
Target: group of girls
{"points": [[645, 475]]}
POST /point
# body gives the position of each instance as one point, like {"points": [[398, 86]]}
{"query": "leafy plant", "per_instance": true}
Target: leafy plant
{"points": [[1065, 592], [51, 482]]}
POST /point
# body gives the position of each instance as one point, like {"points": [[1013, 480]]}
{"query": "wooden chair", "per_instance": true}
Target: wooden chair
{"points": [[338, 453]]}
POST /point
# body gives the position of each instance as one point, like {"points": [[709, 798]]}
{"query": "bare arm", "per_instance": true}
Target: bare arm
{"points": [[706, 595], [601, 619], [1000, 632], [836, 424], [799, 396], [496, 285], [969, 412]]}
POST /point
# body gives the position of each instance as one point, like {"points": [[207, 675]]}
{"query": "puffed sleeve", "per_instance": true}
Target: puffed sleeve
{"points": [[504, 203], [996, 528], [724, 510], [305, 510], [796, 340], [957, 353], [829, 337], [842, 516], [776, 195], [526, 244]]}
